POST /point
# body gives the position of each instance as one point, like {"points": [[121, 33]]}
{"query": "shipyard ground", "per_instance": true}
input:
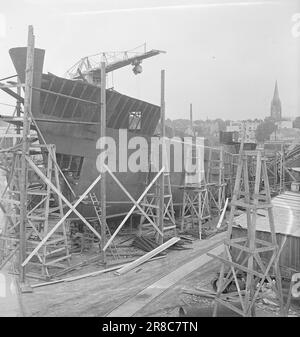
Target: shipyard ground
{"points": [[100, 295]]}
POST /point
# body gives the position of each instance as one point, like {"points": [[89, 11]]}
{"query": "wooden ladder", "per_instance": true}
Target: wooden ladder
{"points": [[216, 178], [98, 211]]}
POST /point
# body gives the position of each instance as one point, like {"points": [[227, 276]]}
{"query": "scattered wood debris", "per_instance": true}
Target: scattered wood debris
{"points": [[147, 256]]}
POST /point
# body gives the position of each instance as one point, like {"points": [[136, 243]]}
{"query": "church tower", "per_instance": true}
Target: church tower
{"points": [[276, 105]]}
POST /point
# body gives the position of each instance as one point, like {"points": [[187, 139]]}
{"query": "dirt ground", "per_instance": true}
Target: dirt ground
{"points": [[99, 295]]}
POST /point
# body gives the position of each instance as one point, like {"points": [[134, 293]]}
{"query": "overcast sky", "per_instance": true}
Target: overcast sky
{"points": [[222, 56]]}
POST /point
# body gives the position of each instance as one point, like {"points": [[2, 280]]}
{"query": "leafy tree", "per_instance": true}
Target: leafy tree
{"points": [[265, 129]]}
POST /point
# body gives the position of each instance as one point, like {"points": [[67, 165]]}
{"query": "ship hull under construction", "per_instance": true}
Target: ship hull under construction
{"points": [[73, 125]]}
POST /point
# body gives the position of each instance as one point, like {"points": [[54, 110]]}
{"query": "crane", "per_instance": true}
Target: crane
{"points": [[88, 68]]}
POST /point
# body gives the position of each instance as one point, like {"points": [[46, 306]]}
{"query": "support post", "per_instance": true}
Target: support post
{"points": [[191, 119], [103, 179], [162, 180], [18, 108], [25, 149]]}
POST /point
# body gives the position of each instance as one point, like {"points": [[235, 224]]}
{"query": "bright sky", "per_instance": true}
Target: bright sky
{"points": [[222, 56]]}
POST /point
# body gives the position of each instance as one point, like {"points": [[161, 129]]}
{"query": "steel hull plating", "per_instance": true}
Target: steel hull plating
{"points": [[75, 129]]}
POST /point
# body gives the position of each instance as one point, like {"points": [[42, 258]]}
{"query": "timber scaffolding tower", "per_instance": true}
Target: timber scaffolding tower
{"points": [[204, 192], [242, 256], [34, 228], [37, 230], [279, 174], [33, 185]]}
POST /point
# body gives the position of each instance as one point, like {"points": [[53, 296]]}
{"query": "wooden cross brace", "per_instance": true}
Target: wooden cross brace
{"points": [[72, 209], [135, 202]]}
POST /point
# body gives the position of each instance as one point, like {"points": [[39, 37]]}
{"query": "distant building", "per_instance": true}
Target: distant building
{"points": [[286, 124], [250, 128], [286, 134], [276, 105]]}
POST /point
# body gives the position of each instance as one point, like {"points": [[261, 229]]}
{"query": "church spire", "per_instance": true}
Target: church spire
{"points": [[276, 104], [276, 94]]}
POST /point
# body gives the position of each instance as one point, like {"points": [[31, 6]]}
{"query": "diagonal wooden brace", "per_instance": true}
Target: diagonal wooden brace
{"points": [[133, 208], [72, 209], [133, 200]]}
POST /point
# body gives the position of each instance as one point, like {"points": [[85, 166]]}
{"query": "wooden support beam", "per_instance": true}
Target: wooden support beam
{"points": [[191, 119], [25, 150], [162, 163], [103, 180]]}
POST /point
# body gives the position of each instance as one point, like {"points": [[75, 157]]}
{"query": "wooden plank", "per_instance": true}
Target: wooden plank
{"points": [[223, 214], [95, 273], [148, 256], [288, 197], [139, 301]]}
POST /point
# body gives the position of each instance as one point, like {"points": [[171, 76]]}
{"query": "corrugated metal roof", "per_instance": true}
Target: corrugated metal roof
{"points": [[286, 210]]}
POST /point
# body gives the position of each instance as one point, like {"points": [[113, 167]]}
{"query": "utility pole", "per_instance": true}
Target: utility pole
{"points": [[103, 178], [162, 178], [25, 150]]}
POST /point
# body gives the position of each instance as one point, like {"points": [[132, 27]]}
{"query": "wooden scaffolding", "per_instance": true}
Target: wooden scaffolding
{"points": [[215, 177], [195, 206], [242, 255], [34, 228], [43, 209]]}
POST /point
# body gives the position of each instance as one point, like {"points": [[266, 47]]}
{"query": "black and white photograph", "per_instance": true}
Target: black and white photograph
{"points": [[149, 161]]}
